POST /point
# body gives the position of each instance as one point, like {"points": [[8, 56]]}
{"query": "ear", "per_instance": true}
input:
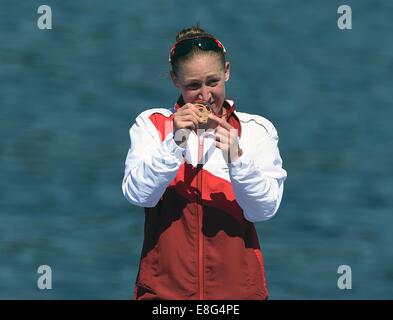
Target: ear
{"points": [[227, 71], [174, 79]]}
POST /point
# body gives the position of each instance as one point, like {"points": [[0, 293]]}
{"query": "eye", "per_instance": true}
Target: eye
{"points": [[192, 86], [213, 82]]}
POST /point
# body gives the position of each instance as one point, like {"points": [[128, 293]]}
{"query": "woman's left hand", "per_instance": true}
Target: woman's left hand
{"points": [[227, 139]]}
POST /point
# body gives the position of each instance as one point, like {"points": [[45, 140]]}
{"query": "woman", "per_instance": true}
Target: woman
{"points": [[203, 185]]}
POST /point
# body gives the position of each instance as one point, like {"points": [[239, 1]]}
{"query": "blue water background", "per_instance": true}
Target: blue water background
{"points": [[69, 95]]}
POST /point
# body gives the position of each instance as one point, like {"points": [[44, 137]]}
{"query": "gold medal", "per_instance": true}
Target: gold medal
{"points": [[205, 109]]}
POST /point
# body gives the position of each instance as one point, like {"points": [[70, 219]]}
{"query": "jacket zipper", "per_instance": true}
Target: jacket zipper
{"points": [[200, 220]]}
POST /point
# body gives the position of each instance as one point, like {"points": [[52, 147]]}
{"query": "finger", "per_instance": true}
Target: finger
{"points": [[215, 118], [222, 146], [186, 106], [187, 116], [181, 120], [196, 110], [193, 118], [220, 121], [232, 133], [189, 107], [222, 130], [191, 111], [224, 135], [189, 125], [222, 138]]}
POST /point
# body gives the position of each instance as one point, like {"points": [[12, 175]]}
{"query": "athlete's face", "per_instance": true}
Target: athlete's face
{"points": [[203, 78]]}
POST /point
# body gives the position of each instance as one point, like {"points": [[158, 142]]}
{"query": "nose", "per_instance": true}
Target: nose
{"points": [[204, 93]]}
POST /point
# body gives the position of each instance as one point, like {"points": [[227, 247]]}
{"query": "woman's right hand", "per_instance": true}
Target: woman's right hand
{"points": [[185, 119]]}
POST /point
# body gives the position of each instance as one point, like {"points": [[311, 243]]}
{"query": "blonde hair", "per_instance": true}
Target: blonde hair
{"points": [[194, 31]]}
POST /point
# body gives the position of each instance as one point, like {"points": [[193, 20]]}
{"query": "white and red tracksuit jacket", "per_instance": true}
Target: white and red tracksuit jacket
{"points": [[200, 239]]}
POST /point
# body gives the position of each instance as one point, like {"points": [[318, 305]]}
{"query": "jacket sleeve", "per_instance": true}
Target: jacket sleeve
{"points": [[258, 177], [150, 164]]}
